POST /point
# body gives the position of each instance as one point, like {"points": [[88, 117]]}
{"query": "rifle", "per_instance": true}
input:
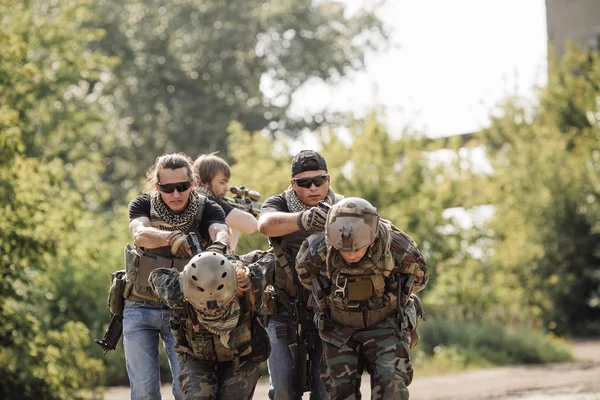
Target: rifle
{"points": [[406, 284], [245, 200], [114, 332], [301, 339]]}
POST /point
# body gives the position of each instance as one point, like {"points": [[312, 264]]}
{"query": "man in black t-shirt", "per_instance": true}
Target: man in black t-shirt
{"points": [[287, 219], [159, 221]]}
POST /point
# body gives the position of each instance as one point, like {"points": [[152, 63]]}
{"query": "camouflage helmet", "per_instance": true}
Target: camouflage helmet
{"points": [[209, 282], [351, 224]]}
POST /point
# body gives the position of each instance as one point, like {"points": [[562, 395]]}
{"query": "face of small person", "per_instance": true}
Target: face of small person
{"points": [[312, 195], [176, 201], [219, 185], [354, 256]]}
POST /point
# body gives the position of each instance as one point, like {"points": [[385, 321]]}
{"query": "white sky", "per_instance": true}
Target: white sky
{"points": [[455, 61]]}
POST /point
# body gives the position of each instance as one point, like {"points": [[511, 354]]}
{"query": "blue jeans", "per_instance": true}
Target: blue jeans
{"points": [[143, 323], [281, 375]]}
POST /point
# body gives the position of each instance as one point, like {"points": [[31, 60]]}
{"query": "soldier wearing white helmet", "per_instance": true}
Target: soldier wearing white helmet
{"points": [[362, 272], [220, 342]]}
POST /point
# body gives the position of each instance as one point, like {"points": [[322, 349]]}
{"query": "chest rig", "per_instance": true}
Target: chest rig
{"points": [[285, 250], [194, 339], [361, 294], [140, 262]]}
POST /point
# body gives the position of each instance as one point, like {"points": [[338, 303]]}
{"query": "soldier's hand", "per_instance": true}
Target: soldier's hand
{"points": [[217, 247], [312, 219], [179, 245]]}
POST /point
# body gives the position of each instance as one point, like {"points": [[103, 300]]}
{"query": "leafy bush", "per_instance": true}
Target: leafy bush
{"points": [[449, 346]]}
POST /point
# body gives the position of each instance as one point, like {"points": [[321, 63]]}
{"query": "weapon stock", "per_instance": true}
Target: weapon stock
{"points": [[301, 338]]}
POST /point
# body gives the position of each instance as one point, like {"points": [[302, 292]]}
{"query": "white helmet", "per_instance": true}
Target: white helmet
{"points": [[209, 282], [351, 224]]}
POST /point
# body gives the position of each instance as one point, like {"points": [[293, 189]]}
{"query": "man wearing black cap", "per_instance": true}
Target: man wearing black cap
{"points": [[287, 219]]}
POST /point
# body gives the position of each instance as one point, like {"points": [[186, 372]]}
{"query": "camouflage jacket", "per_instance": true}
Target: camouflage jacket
{"points": [[247, 338], [392, 253]]}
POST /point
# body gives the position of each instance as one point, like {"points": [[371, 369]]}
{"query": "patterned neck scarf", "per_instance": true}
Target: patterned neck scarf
{"points": [[166, 220], [222, 322], [205, 191], [296, 205]]}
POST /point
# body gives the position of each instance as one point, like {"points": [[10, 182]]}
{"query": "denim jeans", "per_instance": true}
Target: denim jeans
{"points": [[281, 375], [143, 323]]}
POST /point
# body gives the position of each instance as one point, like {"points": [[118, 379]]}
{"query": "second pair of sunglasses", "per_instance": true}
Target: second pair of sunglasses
{"points": [[307, 182], [171, 187]]}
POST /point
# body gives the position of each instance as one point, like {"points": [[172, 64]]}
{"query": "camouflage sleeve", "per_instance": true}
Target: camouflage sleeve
{"points": [[409, 260], [165, 283], [311, 258]]}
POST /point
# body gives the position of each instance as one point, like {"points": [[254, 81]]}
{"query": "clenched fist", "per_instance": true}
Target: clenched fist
{"points": [[179, 244], [312, 219]]}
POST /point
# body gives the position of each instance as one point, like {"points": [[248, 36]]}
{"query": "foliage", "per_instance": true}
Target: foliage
{"points": [[47, 119], [545, 187], [446, 346], [189, 67]]}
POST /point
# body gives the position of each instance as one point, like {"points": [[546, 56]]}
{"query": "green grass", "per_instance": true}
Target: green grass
{"points": [[447, 347]]}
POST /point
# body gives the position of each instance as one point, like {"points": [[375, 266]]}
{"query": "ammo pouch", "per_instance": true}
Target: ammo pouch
{"points": [[362, 317], [117, 292], [202, 346], [138, 265], [359, 288]]}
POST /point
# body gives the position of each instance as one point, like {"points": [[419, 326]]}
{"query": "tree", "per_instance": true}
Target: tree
{"points": [[545, 186], [190, 67], [48, 118]]}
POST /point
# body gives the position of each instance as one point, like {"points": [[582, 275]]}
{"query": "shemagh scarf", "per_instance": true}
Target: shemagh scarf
{"points": [[222, 322], [166, 220], [296, 205], [205, 191]]}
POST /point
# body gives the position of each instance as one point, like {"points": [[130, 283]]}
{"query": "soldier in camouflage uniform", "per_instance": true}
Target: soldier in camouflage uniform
{"points": [[220, 342], [363, 271]]}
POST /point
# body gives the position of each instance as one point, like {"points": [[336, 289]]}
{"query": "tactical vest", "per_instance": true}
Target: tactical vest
{"points": [[193, 338], [285, 249], [139, 262], [361, 295]]}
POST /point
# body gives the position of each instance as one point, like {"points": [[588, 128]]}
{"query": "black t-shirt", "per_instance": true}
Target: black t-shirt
{"points": [[227, 208], [212, 214], [275, 203]]}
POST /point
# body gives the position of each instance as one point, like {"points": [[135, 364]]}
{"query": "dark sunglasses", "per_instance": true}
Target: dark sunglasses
{"points": [[307, 182], [171, 187]]}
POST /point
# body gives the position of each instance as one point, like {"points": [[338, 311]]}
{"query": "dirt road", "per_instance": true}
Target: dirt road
{"points": [[579, 380]]}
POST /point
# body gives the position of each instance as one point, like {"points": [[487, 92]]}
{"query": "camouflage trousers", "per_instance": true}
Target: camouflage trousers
{"points": [[382, 352], [213, 380]]}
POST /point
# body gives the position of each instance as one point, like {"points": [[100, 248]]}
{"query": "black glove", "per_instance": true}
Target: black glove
{"points": [[312, 219]]}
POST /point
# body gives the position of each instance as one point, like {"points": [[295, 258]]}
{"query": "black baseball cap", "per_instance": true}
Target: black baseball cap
{"points": [[308, 160]]}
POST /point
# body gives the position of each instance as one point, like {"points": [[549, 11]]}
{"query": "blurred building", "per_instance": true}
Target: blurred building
{"points": [[576, 20]]}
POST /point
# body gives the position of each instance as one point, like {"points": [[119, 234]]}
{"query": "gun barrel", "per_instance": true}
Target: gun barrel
{"points": [[242, 191]]}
